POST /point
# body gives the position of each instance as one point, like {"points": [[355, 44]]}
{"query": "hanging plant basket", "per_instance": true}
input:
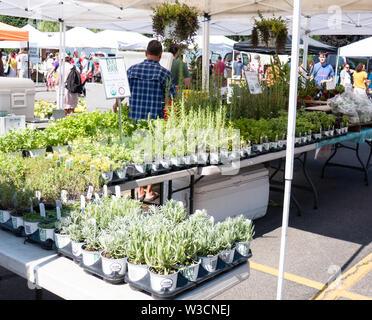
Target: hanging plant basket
{"points": [[175, 23], [271, 33]]}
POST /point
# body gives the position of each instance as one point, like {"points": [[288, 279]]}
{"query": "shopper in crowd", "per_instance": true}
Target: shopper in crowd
{"points": [[76, 60], [238, 66], [219, 71], [52, 73], [150, 85], [272, 73], [369, 90], [12, 62], [346, 78], [1, 65], [360, 79], [179, 69], [49, 77], [256, 66], [23, 64], [70, 100], [322, 72]]}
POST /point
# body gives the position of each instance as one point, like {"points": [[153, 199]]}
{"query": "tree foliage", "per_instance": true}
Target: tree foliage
{"points": [[14, 21]]}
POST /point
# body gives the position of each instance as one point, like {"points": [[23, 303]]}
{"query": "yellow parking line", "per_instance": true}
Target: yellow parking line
{"points": [[352, 295], [287, 276], [348, 279]]}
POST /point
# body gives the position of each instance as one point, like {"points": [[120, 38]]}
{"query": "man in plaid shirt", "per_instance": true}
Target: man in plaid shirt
{"points": [[150, 84]]}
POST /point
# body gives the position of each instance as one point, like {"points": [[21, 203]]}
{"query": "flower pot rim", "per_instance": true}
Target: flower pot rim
{"points": [[103, 252]]}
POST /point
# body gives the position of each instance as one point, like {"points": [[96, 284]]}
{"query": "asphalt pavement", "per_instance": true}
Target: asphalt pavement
{"points": [[328, 252]]}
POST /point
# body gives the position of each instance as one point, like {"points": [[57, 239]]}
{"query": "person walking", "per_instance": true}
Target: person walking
{"points": [[1, 65], [346, 77], [12, 62], [238, 67], [49, 76], [70, 100], [23, 64], [219, 71], [360, 80], [322, 71], [179, 69], [257, 67]]}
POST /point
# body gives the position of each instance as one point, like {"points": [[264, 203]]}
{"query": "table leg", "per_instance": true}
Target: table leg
{"points": [[161, 193], [329, 159], [370, 153], [170, 189], [362, 164], [307, 176], [191, 206]]}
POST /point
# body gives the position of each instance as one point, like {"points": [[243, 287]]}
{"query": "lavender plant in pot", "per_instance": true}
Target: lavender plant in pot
{"points": [[137, 267], [74, 229], [225, 238], [6, 201], [92, 249], [22, 204], [114, 244], [159, 254], [244, 232], [61, 235]]}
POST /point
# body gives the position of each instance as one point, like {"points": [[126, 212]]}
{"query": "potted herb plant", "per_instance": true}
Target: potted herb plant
{"points": [[91, 250], [225, 235], [114, 255], [22, 204], [6, 201], [31, 222], [74, 229], [137, 267], [160, 257], [271, 32], [61, 233], [244, 232]]}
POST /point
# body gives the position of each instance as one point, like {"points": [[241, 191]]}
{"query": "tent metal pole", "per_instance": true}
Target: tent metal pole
{"points": [[205, 53], [337, 65], [59, 104], [290, 139]]}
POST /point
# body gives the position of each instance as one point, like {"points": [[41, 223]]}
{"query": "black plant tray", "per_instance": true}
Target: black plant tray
{"points": [[96, 270], [8, 226], [67, 252], [35, 238], [184, 284]]}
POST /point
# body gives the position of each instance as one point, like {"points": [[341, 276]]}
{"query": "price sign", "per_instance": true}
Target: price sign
{"points": [[114, 77], [252, 82]]}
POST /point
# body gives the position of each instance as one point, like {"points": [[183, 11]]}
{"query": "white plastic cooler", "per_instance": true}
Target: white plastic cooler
{"points": [[17, 96], [225, 196]]}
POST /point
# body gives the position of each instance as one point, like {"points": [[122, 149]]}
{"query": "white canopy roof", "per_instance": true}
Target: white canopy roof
{"points": [[362, 48], [122, 40]]}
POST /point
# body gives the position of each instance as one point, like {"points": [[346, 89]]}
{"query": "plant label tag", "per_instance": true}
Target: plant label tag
{"points": [[58, 204], [38, 195], [117, 191], [58, 213], [64, 196], [31, 206], [42, 209], [90, 193], [105, 192], [96, 196], [82, 201]]}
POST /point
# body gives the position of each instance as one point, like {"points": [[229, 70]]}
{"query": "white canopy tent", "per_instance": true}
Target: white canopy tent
{"points": [[99, 11], [123, 39], [362, 48]]}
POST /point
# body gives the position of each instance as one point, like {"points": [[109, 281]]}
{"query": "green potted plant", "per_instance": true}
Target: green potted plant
{"points": [[137, 267], [226, 236], [23, 201], [271, 32], [92, 249], [61, 233], [244, 232], [31, 222], [114, 254], [160, 257], [74, 229], [6, 201], [175, 23]]}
